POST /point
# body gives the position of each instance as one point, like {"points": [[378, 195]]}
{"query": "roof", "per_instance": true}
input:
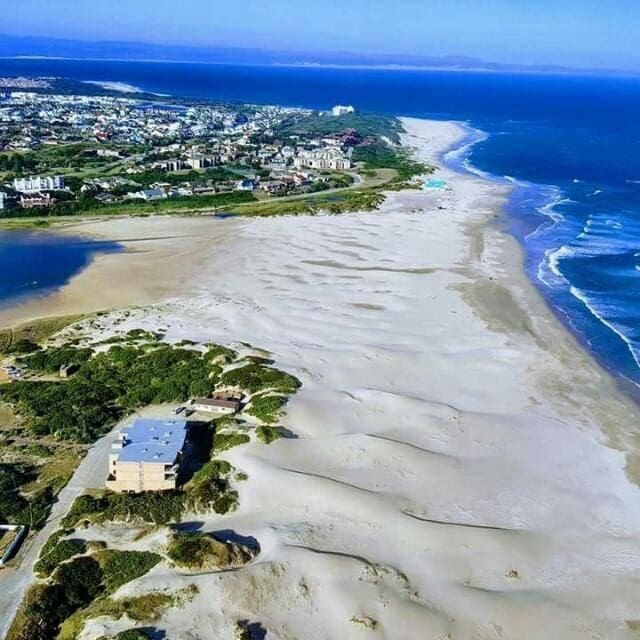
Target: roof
{"points": [[153, 441], [217, 402]]}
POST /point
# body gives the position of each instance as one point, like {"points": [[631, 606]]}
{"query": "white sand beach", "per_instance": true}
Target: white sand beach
{"points": [[461, 469]]}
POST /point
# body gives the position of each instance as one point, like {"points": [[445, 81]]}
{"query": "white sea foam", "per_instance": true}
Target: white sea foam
{"points": [[591, 306], [122, 87]]}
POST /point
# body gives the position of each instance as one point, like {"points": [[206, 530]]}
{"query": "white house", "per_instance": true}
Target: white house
{"points": [[342, 110], [35, 184]]}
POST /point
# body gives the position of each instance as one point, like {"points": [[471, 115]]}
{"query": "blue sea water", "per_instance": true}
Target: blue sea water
{"points": [[36, 263], [569, 144]]}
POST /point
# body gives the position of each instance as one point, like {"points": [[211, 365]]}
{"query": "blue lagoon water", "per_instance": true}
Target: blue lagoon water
{"points": [[37, 263], [569, 144]]}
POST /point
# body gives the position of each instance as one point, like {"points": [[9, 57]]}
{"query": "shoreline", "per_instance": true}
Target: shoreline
{"points": [[462, 466]]}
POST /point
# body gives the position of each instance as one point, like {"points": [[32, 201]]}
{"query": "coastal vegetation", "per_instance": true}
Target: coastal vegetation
{"points": [[78, 583], [111, 378], [90, 207], [205, 551], [17, 505], [364, 124], [381, 155], [144, 608], [35, 331], [51, 420], [267, 434], [267, 407], [105, 387], [256, 377]]}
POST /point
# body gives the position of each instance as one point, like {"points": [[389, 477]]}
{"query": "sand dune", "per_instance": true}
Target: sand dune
{"points": [[461, 469]]}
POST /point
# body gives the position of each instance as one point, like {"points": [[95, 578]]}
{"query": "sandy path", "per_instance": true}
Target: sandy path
{"points": [[462, 469]]}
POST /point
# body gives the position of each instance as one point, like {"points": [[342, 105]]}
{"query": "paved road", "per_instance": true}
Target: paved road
{"points": [[14, 582]]}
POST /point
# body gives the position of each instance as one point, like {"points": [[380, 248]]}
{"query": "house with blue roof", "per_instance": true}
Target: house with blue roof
{"points": [[147, 456]]}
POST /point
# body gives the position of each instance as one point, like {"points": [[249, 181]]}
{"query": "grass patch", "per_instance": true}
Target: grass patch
{"points": [[218, 353], [60, 605], [16, 508], [366, 124], [34, 331], [90, 208], [380, 155], [352, 200]]}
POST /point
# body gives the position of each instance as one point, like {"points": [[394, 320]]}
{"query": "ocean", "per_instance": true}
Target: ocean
{"points": [[569, 144]]}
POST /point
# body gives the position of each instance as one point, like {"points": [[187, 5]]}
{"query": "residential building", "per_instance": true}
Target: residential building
{"points": [[37, 200], [35, 184], [149, 195], [147, 456], [342, 110], [325, 158], [246, 185], [218, 404]]}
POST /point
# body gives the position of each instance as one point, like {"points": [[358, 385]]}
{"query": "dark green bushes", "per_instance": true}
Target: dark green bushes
{"points": [[73, 586], [132, 634], [225, 441], [120, 567], [189, 549], [269, 434], [55, 551], [16, 508], [257, 377], [267, 408], [50, 360], [154, 508], [106, 387]]}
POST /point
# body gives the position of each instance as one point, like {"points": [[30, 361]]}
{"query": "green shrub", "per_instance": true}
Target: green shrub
{"points": [[209, 488], [50, 360], [23, 346], [269, 434], [224, 441], [189, 549], [14, 507], [152, 508], [217, 352], [267, 408], [257, 377], [55, 551], [132, 634], [120, 567]]}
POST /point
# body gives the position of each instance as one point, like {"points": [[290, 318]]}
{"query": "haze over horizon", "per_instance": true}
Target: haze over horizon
{"points": [[588, 34]]}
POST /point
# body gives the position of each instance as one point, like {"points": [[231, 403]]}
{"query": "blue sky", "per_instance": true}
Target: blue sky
{"points": [[568, 32]]}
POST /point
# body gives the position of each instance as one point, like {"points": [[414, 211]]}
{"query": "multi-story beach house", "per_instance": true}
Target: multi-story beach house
{"points": [[147, 456], [35, 184]]}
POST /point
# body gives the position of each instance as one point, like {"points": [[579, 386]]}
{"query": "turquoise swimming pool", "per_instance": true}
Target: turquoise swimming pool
{"points": [[435, 183]]}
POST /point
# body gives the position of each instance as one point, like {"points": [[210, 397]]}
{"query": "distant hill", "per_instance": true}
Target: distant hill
{"points": [[15, 46]]}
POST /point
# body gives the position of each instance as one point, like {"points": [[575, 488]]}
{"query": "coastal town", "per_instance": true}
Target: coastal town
{"points": [[64, 154]]}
